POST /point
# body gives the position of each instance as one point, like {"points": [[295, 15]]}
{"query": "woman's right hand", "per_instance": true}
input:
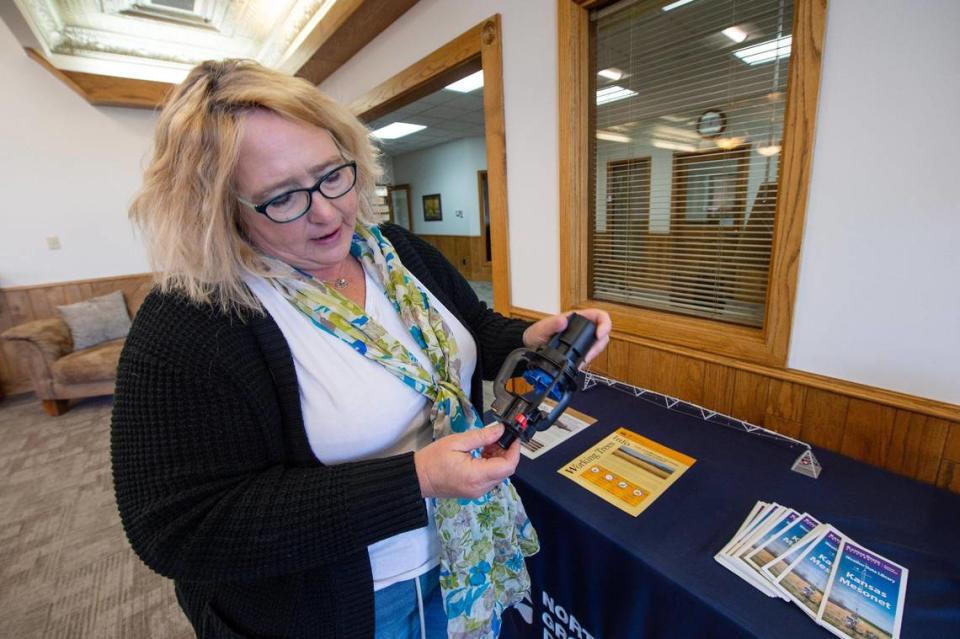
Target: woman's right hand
{"points": [[445, 468]]}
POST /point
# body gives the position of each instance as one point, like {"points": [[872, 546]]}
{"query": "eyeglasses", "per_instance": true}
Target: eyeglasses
{"points": [[293, 204]]}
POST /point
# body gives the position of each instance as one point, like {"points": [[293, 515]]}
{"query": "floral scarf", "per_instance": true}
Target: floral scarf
{"points": [[482, 541]]}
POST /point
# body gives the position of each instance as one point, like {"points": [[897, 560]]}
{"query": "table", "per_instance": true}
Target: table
{"points": [[602, 573]]}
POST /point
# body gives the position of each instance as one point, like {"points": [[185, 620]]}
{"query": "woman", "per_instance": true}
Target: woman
{"points": [[301, 385]]}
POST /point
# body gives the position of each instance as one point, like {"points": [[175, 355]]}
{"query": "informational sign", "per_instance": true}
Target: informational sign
{"points": [[627, 470]]}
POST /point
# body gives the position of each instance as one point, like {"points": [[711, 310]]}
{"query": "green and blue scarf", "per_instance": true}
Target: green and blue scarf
{"points": [[482, 541]]}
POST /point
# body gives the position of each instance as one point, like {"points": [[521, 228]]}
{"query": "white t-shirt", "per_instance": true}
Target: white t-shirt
{"points": [[353, 409]]}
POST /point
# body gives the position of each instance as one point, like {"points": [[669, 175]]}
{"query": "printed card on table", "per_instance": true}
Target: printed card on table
{"points": [[569, 424], [805, 578], [864, 597], [781, 543], [627, 470]]}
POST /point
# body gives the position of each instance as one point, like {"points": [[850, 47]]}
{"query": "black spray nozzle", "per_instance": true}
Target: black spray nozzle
{"points": [[551, 370]]}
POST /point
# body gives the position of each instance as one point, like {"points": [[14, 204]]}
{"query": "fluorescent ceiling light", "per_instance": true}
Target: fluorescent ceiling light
{"points": [[674, 5], [728, 143], [613, 93], [470, 83], [674, 146], [736, 34], [397, 130], [613, 73], [610, 136], [767, 151], [765, 51]]}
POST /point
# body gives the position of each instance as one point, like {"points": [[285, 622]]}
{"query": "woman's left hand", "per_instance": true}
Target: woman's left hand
{"points": [[540, 332]]}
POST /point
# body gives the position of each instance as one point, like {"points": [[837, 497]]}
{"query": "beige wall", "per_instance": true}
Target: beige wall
{"points": [[67, 169]]}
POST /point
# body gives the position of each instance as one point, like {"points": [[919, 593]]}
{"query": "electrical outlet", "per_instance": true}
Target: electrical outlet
{"points": [[53, 243]]}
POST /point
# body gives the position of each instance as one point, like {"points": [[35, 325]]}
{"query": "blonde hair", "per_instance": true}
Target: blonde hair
{"points": [[187, 209]]}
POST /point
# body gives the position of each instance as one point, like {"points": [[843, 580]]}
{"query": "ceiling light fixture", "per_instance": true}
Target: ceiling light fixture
{"points": [[675, 5], [613, 93], [610, 136], [397, 130], [470, 83], [612, 73], [736, 34], [769, 150], [765, 51], [728, 144]]}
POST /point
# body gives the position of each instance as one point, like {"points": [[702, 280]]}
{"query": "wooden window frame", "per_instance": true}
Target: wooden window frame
{"points": [[767, 345]]}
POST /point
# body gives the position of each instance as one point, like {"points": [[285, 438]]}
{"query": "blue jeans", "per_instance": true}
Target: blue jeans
{"points": [[397, 612]]}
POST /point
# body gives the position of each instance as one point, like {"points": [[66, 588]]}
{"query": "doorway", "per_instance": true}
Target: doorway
{"points": [[478, 49]]}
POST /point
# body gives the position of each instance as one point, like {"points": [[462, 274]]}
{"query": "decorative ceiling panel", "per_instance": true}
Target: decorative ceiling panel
{"points": [[162, 39]]}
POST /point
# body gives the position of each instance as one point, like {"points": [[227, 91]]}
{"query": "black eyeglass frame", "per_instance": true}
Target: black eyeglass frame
{"points": [[316, 188]]}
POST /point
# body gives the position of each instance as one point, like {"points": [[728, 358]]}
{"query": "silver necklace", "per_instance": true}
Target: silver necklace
{"points": [[340, 282]]}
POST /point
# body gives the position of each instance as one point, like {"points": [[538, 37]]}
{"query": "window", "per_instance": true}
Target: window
{"points": [[688, 128]]}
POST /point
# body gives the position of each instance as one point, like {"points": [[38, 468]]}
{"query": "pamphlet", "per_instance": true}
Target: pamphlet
{"points": [[805, 579], [627, 470], [781, 543], [849, 590], [864, 597], [569, 424]]}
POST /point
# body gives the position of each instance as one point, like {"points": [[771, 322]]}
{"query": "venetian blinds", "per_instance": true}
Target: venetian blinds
{"points": [[689, 115]]}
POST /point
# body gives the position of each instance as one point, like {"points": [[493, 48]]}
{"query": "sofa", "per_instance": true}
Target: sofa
{"points": [[58, 370]]}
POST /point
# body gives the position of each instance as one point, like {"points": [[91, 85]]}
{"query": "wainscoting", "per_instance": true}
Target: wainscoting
{"points": [[908, 435], [465, 252], [21, 304]]}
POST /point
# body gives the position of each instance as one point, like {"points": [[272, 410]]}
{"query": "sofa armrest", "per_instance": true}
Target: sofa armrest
{"points": [[51, 337]]}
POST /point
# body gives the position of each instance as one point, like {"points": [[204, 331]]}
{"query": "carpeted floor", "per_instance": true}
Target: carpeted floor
{"points": [[66, 569]]}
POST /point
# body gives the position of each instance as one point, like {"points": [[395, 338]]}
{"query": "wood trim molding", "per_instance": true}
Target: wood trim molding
{"points": [[894, 399], [90, 280], [574, 144], [458, 57], [767, 346], [475, 49], [104, 90], [348, 27]]}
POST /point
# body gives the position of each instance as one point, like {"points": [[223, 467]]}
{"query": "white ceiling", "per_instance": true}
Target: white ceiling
{"points": [[162, 39], [448, 116]]}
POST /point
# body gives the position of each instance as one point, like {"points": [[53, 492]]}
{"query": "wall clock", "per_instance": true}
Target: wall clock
{"points": [[712, 123]]}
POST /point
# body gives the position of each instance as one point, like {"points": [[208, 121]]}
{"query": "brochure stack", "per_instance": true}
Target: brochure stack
{"points": [[846, 588]]}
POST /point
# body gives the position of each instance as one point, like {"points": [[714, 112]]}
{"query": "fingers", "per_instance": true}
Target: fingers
{"points": [[604, 326], [540, 332], [477, 438], [447, 468]]}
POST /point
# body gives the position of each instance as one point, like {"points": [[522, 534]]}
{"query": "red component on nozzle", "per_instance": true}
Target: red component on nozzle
{"points": [[522, 420]]}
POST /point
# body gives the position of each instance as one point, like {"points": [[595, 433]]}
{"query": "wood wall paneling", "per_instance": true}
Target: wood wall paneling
{"points": [[867, 433], [916, 445], [26, 303], [949, 474], [466, 252]]}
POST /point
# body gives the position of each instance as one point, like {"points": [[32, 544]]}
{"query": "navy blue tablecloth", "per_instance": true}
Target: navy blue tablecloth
{"points": [[603, 573]]}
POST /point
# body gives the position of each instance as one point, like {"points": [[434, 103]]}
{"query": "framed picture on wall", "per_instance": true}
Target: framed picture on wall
{"points": [[431, 208]]}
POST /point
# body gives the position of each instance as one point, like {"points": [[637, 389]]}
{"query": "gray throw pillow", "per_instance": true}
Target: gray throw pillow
{"points": [[96, 320]]}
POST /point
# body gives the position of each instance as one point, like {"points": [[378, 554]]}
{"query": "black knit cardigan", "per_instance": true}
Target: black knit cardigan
{"points": [[216, 483]]}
